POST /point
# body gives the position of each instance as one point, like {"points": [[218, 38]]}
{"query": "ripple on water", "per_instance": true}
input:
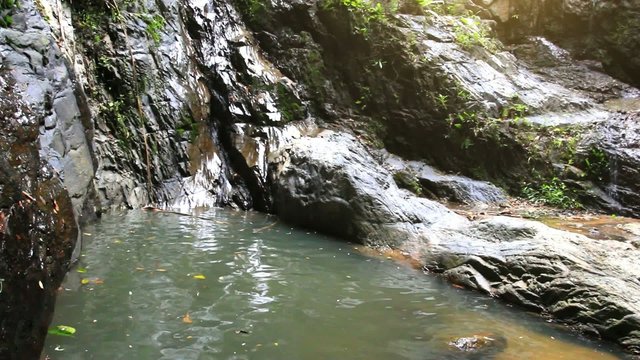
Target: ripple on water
{"points": [[271, 292]]}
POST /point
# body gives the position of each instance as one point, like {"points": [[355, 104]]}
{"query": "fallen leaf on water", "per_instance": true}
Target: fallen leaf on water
{"points": [[140, 269], [62, 330], [81, 270], [199, 277], [187, 319], [161, 270], [117, 241], [95, 281]]}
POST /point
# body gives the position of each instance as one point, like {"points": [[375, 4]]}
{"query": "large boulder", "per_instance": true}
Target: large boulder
{"points": [[331, 183], [38, 229]]}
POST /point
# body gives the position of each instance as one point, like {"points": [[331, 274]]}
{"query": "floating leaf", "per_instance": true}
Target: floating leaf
{"points": [[94, 281], [187, 319], [62, 330], [199, 277], [81, 270], [161, 270], [117, 241]]}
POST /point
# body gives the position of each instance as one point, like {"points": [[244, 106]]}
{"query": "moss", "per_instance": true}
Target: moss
{"points": [[409, 181], [290, 107], [188, 126]]}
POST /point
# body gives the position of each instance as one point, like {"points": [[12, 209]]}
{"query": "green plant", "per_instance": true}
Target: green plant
{"points": [[553, 193], [365, 13], [470, 31], [155, 24], [6, 10], [114, 113], [596, 164], [442, 100]]}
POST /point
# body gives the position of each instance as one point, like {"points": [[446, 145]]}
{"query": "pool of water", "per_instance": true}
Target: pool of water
{"points": [[241, 285]]}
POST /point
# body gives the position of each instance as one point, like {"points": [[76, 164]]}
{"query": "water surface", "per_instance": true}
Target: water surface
{"points": [[240, 285]]}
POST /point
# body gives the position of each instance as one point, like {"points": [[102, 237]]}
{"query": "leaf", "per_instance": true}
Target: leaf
{"points": [[199, 277], [161, 270], [187, 319], [94, 281], [62, 330], [81, 270]]}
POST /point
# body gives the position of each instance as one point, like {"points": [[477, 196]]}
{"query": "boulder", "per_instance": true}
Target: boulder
{"points": [[331, 183]]}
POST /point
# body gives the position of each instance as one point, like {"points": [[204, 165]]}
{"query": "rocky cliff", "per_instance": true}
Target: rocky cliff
{"points": [[216, 103]]}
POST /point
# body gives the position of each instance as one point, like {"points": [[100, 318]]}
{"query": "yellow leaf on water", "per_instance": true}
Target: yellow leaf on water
{"points": [[199, 277], [117, 241], [84, 281], [187, 319]]}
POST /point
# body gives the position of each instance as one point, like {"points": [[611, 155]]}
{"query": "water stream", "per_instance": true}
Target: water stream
{"points": [[240, 285]]}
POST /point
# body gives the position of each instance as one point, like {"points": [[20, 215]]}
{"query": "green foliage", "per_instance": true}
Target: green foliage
{"points": [[553, 193], [596, 164], [470, 31], [155, 24], [6, 10], [365, 13], [253, 11], [115, 115], [515, 111], [442, 100]]}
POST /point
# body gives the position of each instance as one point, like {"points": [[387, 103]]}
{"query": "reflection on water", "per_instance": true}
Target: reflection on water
{"points": [[238, 286]]}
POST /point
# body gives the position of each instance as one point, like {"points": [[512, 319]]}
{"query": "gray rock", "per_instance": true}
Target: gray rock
{"points": [[332, 184]]}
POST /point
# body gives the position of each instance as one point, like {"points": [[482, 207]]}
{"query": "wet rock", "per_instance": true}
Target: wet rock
{"points": [[447, 187], [482, 346], [38, 228], [331, 183], [604, 31]]}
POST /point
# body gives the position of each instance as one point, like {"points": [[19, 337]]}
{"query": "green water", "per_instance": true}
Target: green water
{"points": [[271, 292]]}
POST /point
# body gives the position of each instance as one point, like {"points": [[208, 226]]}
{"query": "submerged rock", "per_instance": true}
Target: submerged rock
{"points": [[482, 346]]}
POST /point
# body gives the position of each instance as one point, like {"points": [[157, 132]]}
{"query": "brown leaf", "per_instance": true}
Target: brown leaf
{"points": [[187, 319]]}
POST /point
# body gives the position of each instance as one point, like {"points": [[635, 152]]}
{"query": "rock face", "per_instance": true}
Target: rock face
{"points": [[603, 30], [38, 228], [332, 184], [430, 93]]}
